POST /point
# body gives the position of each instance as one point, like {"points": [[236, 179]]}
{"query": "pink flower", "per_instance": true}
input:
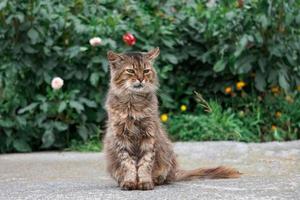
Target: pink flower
{"points": [[57, 83], [95, 41]]}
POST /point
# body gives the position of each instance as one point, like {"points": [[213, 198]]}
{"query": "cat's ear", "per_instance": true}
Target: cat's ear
{"points": [[113, 57], [152, 54]]}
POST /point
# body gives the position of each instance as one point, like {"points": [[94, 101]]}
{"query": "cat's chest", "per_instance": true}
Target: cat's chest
{"points": [[132, 107], [134, 113], [135, 129], [134, 133]]}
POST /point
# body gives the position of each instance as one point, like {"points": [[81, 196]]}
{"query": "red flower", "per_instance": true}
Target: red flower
{"points": [[129, 39]]}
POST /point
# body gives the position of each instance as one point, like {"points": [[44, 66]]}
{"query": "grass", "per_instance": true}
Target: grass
{"points": [[93, 145]]}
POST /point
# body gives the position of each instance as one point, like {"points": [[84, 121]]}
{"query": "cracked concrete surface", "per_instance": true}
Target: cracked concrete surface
{"points": [[271, 171]]}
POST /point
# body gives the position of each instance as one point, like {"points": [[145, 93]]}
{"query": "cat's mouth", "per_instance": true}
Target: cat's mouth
{"points": [[138, 86]]}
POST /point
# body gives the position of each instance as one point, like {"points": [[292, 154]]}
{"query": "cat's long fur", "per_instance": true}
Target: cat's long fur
{"points": [[139, 153]]}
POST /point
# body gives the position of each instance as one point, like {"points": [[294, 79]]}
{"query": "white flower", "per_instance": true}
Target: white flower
{"points": [[95, 41], [57, 83]]}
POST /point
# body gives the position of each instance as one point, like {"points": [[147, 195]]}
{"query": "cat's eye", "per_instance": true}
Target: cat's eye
{"points": [[146, 71], [131, 71]]}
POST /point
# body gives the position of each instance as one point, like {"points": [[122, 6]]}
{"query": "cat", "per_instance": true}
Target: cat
{"points": [[138, 152]]}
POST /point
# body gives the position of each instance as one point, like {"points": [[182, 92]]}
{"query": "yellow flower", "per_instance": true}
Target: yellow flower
{"points": [[274, 128], [164, 117], [277, 114], [183, 108], [228, 90], [240, 85], [298, 88], [275, 89], [289, 99]]}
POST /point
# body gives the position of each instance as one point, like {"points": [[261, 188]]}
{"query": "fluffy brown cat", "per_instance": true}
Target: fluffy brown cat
{"points": [[139, 153]]}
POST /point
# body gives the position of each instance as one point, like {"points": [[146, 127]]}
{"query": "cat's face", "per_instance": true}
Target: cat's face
{"points": [[133, 72]]}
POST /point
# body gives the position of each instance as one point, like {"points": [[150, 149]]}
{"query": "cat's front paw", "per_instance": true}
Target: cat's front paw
{"points": [[128, 185], [146, 185]]}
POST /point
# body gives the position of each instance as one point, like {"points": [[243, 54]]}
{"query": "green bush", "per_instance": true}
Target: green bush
{"points": [[249, 119], [217, 125], [214, 47], [271, 116]]}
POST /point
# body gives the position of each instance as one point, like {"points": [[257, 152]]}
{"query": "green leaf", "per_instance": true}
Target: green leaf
{"points": [[283, 81], [239, 51], [242, 45], [167, 101], [277, 135], [33, 35], [44, 107], [89, 103], [263, 21], [259, 38], [62, 106], [96, 59], [171, 58], [244, 64], [28, 49], [73, 51], [244, 40], [262, 62], [276, 50], [21, 120], [30, 107], [164, 71], [298, 19], [220, 65], [82, 49], [230, 15], [78, 106], [3, 4], [112, 44], [94, 78], [260, 81], [104, 65], [21, 146], [6, 123], [83, 132], [169, 43], [60, 126], [48, 139]]}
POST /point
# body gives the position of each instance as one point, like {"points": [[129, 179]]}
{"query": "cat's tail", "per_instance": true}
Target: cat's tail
{"points": [[207, 173]]}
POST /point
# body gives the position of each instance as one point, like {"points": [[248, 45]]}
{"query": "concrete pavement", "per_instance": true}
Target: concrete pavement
{"points": [[271, 171]]}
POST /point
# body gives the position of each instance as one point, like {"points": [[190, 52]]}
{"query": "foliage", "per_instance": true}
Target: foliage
{"points": [[92, 145], [216, 125], [249, 118], [214, 47], [271, 116]]}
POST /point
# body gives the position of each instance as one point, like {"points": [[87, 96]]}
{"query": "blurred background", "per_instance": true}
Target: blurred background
{"points": [[228, 69]]}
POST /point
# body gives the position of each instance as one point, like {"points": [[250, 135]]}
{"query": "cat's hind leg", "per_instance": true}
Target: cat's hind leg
{"points": [[160, 174], [164, 170]]}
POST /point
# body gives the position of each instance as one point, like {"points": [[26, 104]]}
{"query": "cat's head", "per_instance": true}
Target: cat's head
{"points": [[133, 72]]}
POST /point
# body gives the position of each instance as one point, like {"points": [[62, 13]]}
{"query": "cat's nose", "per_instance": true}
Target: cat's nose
{"points": [[140, 79]]}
